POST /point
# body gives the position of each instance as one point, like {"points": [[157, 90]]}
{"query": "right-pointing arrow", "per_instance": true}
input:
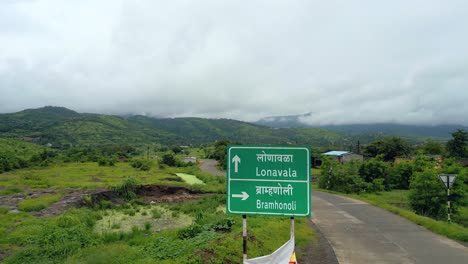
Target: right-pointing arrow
{"points": [[244, 196]]}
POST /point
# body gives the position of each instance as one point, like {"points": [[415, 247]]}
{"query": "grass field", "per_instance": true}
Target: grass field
{"points": [[190, 179], [193, 231], [90, 175], [39, 203]]}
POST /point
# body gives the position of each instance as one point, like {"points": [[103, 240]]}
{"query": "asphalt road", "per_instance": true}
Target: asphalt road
{"points": [[210, 166], [361, 233]]}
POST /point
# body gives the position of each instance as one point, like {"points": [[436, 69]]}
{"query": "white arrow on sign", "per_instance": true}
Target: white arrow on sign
{"points": [[236, 161], [244, 196]]}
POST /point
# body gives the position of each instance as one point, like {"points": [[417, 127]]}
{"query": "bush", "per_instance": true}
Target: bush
{"points": [[156, 213], [103, 161], [400, 175], [374, 169], [144, 165], [342, 177], [169, 160], [427, 195], [190, 232], [127, 188]]}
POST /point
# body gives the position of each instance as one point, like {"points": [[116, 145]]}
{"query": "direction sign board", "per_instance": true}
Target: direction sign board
{"points": [[268, 180], [448, 179]]}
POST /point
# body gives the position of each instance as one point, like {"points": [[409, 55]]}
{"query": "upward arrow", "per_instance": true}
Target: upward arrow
{"points": [[236, 160]]}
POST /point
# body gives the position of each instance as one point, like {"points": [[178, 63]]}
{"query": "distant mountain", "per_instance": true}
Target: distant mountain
{"points": [[415, 132], [62, 127], [283, 121]]}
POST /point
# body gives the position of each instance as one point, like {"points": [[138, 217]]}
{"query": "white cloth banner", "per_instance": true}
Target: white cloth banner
{"points": [[281, 256]]}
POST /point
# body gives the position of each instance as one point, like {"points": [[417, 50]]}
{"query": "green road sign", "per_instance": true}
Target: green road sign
{"points": [[268, 180]]}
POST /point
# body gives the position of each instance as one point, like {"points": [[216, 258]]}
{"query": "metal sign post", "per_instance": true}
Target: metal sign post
{"points": [[244, 237], [271, 181], [448, 180]]}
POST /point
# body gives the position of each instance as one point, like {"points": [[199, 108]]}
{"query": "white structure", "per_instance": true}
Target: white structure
{"points": [[344, 156]]}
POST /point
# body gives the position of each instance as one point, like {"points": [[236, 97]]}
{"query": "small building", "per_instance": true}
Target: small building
{"points": [[344, 156], [190, 159]]}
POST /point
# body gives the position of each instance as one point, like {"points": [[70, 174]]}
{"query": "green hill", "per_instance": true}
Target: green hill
{"points": [[62, 127]]}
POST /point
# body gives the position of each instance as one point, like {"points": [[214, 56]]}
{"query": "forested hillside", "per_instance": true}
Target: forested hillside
{"points": [[412, 132], [63, 128]]}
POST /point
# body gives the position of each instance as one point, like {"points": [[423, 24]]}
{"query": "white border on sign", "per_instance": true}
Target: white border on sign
{"points": [[267, 213]]}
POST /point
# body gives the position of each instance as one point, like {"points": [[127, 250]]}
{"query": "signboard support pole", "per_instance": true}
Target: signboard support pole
{"points": [[292, 227], [448, 206], [244, 237]]}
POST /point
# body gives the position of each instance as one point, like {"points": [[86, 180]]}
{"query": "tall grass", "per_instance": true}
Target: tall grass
{"points": [[39, 203]]}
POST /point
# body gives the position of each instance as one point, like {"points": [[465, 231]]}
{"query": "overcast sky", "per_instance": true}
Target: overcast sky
{"points": [[346, 61]]}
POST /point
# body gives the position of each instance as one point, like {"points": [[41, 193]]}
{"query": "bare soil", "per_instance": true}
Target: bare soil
{"points": [[76, 198]]}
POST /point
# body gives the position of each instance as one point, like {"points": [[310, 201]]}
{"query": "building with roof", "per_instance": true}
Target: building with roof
{"points": [[344, 156]]}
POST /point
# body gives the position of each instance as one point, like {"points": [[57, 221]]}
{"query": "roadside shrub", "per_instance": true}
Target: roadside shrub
{"points": [[223, 225], [427, 195], [400, 175], [374, 169], [342, 178]]}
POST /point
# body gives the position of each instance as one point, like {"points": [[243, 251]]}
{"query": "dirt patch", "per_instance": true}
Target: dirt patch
{"points": [[161, 193], [11, 201], [71, 199], [76, 198]]}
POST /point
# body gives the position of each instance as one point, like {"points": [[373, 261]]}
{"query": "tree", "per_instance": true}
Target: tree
{"points": [[432, 148], [373, 169], [427, 195], [456, 147], [219, 152], [400, 175], [342, 177], [388, 148], [176, 149], [169, 160]]}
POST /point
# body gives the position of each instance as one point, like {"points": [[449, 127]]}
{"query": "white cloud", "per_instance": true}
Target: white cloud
{"points": [[346, 62]]}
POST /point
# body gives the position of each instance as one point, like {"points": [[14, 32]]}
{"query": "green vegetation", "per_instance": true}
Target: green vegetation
{"points": [[388, 148], [10, 191], [39, 203], [115, 221], [190, 179], [91, 175], [457, 146], [63, 129], [126, 189], [199, 232], [415, 189]]}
